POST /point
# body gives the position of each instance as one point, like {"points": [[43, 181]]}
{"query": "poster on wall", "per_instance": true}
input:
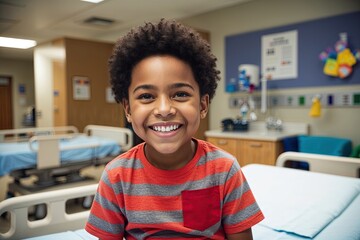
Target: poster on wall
{"points": [[279, 55], [81, 88], [109, 95]]}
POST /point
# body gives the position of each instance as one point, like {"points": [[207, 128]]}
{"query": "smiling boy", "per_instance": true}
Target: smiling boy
{"points": [[172, 186]]}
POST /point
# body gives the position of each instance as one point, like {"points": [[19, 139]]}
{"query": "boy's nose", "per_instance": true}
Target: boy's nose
{"points": [[164, 107]]}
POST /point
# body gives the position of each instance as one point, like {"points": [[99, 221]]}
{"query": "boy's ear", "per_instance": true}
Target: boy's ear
{"points": [[126, 106], [204, 106]]}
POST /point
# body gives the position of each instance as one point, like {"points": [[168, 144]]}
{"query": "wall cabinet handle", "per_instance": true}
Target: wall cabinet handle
{"points": [[255, 145], [222, 142]]}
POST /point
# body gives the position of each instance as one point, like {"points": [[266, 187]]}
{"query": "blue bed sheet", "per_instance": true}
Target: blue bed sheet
{"points": [[18, 155]]}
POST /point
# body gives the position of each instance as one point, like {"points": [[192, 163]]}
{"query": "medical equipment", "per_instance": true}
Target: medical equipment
{"points": [[291, 194]]}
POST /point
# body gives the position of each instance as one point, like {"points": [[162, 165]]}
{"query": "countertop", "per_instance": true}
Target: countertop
{"points": [[258, 131]]}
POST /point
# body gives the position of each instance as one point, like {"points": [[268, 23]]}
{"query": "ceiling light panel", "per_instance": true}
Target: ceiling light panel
{"points": [[16, 43], [92, 1]]}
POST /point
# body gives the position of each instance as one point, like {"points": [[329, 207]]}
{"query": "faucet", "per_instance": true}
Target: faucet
{"points": [[273, 123]]}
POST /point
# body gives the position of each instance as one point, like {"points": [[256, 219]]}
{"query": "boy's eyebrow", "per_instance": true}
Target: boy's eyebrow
{"points": [[173, 86], [145, 86], [180, 85]]}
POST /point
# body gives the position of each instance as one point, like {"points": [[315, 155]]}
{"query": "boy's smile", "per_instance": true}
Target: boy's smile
{"points": [[165, 109]]}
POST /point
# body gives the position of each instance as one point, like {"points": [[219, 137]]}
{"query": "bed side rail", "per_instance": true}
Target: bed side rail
{"points": [[56, 220], [344, 166], [123, 136], [23, 134]]}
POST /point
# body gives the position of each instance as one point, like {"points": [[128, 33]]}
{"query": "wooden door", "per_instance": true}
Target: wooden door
{"points": [[6, 117]]}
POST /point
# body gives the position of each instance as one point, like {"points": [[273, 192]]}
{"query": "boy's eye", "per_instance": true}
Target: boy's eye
{"points": [[181, 95], [145, 96]]}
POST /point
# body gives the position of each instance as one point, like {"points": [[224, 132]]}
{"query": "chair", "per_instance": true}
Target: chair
{"points": [[318, 145]]}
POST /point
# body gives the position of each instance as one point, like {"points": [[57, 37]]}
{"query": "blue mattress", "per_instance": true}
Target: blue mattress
{"points": [[18, 155]]}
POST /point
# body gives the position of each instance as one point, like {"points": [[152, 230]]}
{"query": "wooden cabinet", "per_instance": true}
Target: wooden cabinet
{"points": [[254, 151], [226, 144], [250, 151]]}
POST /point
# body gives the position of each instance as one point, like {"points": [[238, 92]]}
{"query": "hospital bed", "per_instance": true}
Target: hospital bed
{"points": [[55, 155], [322, 204], [297, 204]]}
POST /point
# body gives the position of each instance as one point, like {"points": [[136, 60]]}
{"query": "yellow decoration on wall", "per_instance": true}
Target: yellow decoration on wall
{"points": [[315, 110], [346, 57], [331, 67]]}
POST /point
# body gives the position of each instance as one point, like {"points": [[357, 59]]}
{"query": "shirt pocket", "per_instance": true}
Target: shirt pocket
{"points": [[201, 208]]}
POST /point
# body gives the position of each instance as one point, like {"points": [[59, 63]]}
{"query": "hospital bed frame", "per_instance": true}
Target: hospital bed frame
{"points": [[21, 227], [56, 220], [24, 134], [336, 165], [49, 171]]}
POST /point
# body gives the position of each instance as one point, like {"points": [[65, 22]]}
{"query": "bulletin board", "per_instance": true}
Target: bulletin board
{"points": [[313, 38]]}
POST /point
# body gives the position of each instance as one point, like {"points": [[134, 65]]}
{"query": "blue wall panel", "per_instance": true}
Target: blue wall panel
{"points": [[313, 38]]}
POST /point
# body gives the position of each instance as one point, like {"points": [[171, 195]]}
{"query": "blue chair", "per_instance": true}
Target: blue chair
{"points": [[325, 145], [316, 144]]}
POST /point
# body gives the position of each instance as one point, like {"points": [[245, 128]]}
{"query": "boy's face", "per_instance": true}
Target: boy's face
{"points": [[164, 103]]}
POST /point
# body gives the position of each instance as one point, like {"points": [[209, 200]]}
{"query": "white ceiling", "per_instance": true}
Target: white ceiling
{"points": [[46, 20]]}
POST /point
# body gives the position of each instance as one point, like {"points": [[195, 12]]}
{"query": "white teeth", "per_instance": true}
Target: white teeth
{"points": [[166, 129]]}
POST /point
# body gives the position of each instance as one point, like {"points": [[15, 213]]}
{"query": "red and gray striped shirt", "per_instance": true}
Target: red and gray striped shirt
{"points": [[206, 199]]}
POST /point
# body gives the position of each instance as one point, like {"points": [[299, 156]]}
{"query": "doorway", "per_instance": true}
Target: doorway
{"points": [[6, 112]]}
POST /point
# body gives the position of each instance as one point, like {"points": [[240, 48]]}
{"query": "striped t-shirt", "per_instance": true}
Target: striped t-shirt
{"points": [[206, 199]]}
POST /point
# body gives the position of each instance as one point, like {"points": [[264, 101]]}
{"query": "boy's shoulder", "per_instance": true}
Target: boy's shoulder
{"points": [[127, 158]]}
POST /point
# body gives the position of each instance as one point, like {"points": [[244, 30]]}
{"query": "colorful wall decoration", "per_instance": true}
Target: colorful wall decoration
{"points": [[314, 37], [339, 61]]}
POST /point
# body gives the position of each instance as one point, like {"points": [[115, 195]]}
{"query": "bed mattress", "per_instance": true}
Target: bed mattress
{"points": [[18, 155]]}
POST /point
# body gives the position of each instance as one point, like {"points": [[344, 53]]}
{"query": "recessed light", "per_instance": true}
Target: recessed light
{"points": [[93, 1], [16, 43]]}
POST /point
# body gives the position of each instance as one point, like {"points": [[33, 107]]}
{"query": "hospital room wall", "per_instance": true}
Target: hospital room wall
{"points": [[68, 111], [264, 14], [90, 59], [22, 73]]}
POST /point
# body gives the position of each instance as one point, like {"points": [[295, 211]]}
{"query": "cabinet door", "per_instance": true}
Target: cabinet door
{"points": [[263, 152], [226, 144]]}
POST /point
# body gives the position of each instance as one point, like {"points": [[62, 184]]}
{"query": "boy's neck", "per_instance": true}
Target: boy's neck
{"points": [[172, 161]]}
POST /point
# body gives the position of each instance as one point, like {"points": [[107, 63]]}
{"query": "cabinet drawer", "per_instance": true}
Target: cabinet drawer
{"points": [[226, 144], [263, 152], [257, 145]]}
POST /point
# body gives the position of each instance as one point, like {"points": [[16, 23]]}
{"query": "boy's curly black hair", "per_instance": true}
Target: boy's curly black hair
{"points": [[166, 37]]}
